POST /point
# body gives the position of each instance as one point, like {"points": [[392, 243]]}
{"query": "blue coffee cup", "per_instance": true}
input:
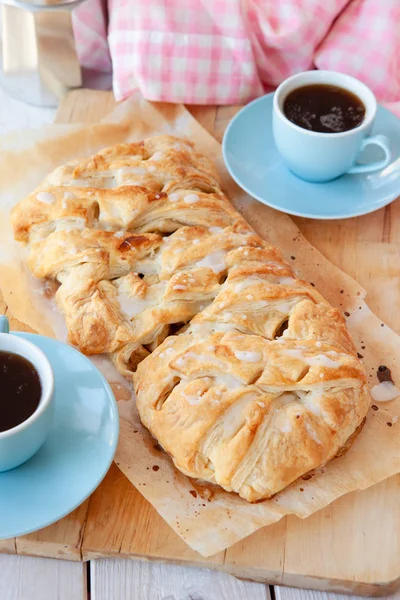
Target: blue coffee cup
{"points": [[320, 157], [21, 442]]}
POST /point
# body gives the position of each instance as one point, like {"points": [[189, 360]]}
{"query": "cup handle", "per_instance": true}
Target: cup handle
{"points": [[379, 140], [4, 324]]}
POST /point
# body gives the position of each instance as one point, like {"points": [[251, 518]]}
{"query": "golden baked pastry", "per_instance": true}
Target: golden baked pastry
{"points": [[245, 375]]}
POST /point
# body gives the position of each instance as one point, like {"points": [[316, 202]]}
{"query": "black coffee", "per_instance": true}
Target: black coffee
{"points": [[20, 390], [324, 108]]}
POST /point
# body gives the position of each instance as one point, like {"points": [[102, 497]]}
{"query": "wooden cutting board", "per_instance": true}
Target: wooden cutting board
{"points": [[351, 546]]}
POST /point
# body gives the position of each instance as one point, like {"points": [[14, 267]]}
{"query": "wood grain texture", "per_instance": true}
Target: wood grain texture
{"points": [[353, 539], [63, 539], [28, 578], [120, 522], [368, 249], [205, 115], [8, 546], [136, 580], [85, 106], [352, 545]]}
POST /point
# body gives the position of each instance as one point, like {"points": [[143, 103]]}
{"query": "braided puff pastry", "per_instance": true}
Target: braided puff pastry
{"points": [[245, 374]]}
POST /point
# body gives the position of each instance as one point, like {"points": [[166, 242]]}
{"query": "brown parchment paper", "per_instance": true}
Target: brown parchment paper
{"points": [[206, 518]]}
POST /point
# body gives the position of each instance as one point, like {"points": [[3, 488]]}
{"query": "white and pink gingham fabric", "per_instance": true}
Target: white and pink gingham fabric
{"points": [[231, 51]]}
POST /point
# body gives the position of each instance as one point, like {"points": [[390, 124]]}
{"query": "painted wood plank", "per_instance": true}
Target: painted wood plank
{"points": [[284, 593], [28, 578], [138, 580]]}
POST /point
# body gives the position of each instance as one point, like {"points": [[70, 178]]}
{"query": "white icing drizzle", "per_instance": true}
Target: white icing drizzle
{"points": [[191, 399], [311, 432], [286, 280], [70, 223], [174, 197], [248, 356], [281, 419], [319, 360], [234, 417], [179, 287], [204, 359], [249, 281], [132, 170], [130, 305], [215, 229], [191, 198], [231, 383], [314, 408], [46, 197], [307, 399], [215, 261], [204, 330], [119, 234], [156, 156], [384, 392], [80, 182], [283, 307], [286, 426]]}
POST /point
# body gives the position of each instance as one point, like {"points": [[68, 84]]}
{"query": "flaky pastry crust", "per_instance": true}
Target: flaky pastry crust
{"points": [[243, 372]]}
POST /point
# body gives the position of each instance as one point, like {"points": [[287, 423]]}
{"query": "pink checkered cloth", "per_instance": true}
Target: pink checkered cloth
{"points": [[231, 51]]}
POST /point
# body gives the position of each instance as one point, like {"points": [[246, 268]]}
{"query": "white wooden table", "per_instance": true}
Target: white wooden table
{"points": [[26, 578]]}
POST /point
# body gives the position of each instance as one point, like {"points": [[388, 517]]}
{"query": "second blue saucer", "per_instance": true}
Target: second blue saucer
{"points": [[76, 455]]}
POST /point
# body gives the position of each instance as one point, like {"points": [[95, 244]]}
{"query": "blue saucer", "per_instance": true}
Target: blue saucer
{"points": [[255, 164], [77, 454]]}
